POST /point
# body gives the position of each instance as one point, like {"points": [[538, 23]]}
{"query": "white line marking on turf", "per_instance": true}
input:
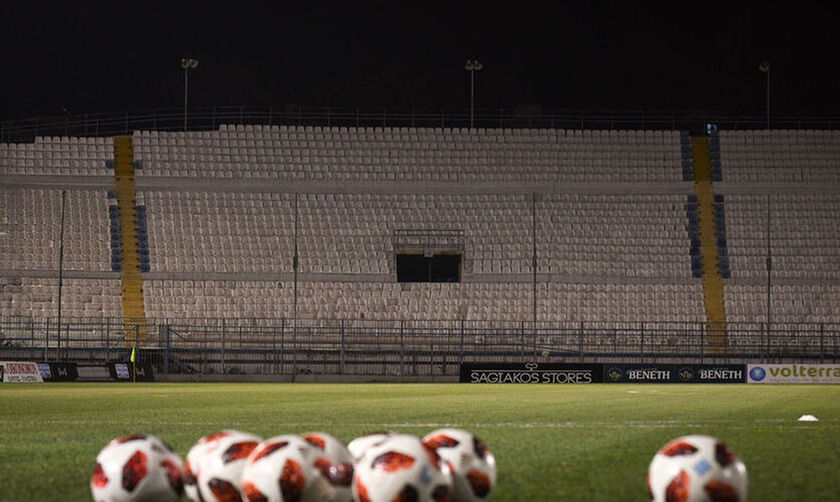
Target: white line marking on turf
{"points": [[439, 425]]}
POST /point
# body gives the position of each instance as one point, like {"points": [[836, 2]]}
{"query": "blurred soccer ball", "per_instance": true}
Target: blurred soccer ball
{"points": [[697, 469], [280, 469], [137, 468], [401, 467], [334, 464], [359, 445], [473, 465], [215, 465]]}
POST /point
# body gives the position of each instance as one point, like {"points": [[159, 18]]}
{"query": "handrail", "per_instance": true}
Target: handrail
{"points": [[210, 118]]}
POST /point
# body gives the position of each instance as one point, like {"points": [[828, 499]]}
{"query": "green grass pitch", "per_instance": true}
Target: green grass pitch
{"points": [[552, 443]]}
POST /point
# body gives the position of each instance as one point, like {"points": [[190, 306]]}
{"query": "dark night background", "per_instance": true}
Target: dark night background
{"points": [[90, 57]]}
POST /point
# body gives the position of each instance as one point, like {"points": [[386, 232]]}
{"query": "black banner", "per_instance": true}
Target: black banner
{"points": [[122, 372], [58, 372], [675, 373], [546, 373]]}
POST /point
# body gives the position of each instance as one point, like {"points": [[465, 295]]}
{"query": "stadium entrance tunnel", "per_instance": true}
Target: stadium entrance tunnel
{"points": [[428, 267]]}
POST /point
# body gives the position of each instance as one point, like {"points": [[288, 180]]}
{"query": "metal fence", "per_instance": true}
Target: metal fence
{"points": [[210, 118], [403, 347]]}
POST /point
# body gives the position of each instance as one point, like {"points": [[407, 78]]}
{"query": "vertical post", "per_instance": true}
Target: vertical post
{"points": [[186, 93], [768, 97], [769, 268], [47, 340], [282, 346], [472, 66], [534, 255], [341, 352], [472, 97], [402, 348], [822, 341], [61, 265], [461, 358], [224, 333], [165, 331], [295, 288], [580, 342]]}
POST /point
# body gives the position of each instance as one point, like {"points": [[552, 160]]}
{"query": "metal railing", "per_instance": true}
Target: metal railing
{"points": [[401, 347], [210, 118]]}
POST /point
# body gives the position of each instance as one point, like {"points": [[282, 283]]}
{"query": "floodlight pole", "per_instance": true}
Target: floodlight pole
{"points": [[472, 66], [768, 98], [187, 64], [765, 68]]}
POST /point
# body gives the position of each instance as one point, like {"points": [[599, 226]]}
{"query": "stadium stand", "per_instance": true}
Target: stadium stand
{"points": [[781, 156], [386, 154], [617, 223]]}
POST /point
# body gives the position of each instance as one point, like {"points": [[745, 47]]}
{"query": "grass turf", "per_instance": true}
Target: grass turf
{"points": [[575, 443]]}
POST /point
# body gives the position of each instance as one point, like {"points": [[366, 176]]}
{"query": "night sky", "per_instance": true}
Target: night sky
{"points": [[81, 57]]}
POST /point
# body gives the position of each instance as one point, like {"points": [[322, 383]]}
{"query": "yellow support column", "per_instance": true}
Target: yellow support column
{"points": [[134, 311], [713, 289]]}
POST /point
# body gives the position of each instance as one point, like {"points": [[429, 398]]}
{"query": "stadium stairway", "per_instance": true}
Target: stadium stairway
{"points": [[134, 316], [710, 242]]}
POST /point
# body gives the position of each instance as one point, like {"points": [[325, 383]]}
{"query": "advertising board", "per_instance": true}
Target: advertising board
{"points": [[534, 373], [122, 372], [20, 372], [58, 372], [674, 373], [793, 373]]}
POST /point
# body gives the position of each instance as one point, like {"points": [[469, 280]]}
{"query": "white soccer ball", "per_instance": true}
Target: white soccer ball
{"points": [[401, 467], [280, 469], [137, 468], [697, 469], [473, 465], [217, 464], [194, 459], [334, 464], [359, 445]]}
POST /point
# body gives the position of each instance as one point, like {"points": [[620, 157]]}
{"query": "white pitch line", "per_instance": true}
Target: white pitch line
{"points": [[789, 423]]}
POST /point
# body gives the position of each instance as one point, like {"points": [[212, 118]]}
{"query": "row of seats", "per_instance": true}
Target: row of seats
{"points": [[816, 303], [58, 156], [422, 301], [616, 236], [804, 240], [31, 233], [780, 156], [637, 236], [30, 297], [377, 154], [38, 297]]}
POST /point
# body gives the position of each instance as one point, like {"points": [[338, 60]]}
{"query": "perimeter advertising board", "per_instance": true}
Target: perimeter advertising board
{"points": [[19, 372], [544, 373], [793, 373], [125, 372], [675, 373], [58, 372]]}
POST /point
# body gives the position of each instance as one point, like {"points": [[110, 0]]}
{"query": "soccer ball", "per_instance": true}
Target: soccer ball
{"points": [[137, 468], [280, 469], [697, 469], [473, 465], [195, 456], [335, 465], [358, 446], [216, 466], [401, 467]]}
